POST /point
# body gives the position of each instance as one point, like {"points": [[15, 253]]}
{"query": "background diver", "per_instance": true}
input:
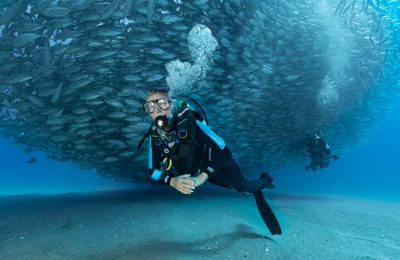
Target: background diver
{"points": [[319, 152], [184, 153]]}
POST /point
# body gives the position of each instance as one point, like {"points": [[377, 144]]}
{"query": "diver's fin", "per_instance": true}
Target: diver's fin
{"points": [[267, 214]]}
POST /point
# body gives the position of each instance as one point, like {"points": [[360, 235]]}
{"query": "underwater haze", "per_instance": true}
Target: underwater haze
{"points": [[370, 170], [269, 74], [75, 74]]}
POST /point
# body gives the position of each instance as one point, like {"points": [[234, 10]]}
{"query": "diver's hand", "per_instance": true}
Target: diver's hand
{"points": [[183, 184], [199, 180]]}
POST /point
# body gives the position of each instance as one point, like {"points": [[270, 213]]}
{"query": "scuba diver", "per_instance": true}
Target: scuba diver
{"points": [[319, 152], [184, 153], [32, 160]]}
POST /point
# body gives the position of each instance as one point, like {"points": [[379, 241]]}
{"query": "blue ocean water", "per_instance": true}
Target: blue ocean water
{"points": [[46, 176], [368, 170], [162, 223]]}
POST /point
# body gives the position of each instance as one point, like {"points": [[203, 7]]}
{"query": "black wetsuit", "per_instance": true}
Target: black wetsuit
{"points": [[194, 148], [319, 152]]}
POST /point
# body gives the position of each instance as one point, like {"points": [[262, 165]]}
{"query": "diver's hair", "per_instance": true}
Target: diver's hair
{"points": [[159, 90]]}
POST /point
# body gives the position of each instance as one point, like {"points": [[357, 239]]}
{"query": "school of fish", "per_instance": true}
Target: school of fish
{"points": [[74, 75]]}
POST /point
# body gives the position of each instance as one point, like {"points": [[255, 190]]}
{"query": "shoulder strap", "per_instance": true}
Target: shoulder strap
{"points": [[144, 136], [211, 134]]}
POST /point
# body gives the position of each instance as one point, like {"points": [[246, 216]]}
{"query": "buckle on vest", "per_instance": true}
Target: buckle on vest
{"points": [[182, 134], [157, 141]]}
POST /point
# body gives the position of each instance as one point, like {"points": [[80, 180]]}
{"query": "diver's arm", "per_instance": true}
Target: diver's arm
{"points": [[327, 152], [327, 149], [200, 180]]}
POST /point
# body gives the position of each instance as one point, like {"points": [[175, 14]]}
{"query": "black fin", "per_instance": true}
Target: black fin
{"points": [[267, 214]]}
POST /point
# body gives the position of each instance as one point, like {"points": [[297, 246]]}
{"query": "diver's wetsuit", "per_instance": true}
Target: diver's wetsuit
{"points": [[194, 148], [319, 152]]}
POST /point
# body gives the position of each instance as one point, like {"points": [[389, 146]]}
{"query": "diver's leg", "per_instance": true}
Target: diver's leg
{"points": [[327, 162], [307, 168], [229, 176], [233, 175], [219, 181], [313, 165]]}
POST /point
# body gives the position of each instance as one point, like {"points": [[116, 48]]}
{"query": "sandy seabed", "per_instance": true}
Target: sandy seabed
{"points": [[209, 224]]}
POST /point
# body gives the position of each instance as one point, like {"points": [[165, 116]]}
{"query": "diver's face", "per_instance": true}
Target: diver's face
{"points": [[157, 111]]}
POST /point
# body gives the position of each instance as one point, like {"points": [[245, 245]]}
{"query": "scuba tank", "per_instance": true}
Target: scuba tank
{"points": [[168, 122]]}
